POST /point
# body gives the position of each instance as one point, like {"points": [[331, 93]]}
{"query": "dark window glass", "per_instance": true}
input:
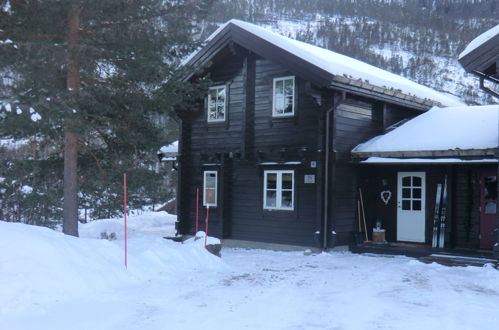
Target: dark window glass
{"points": [[416, 193], [406, 181], [406, 193], [271, 198], [416, 205], [490, 207], [287, 181], [271, 181], [287, 199], [416, 181], [406, 205], [491, 188]]}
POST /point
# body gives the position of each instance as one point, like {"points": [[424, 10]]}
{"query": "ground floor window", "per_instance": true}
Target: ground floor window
{"points": [[278, 191], [210, 188]]}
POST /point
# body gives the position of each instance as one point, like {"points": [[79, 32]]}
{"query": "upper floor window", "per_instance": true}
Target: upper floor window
{"points": [[278, 190], [216, 104], [284, 95]]}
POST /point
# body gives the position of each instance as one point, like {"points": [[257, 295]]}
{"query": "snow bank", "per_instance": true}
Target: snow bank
{"points": [[40, 267], [474, 127]]}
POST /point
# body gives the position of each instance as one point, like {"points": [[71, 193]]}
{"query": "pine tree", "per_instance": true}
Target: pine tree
{"points": [[97, 73]]}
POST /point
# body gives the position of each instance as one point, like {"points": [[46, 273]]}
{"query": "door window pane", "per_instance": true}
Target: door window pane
{"points": [[416, 205], [406, 181], [416, 193], [416, 181], [406, 204], [406, 193]]}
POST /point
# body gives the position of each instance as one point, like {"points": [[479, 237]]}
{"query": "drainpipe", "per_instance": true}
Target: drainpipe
{"points": [[326, 168]]}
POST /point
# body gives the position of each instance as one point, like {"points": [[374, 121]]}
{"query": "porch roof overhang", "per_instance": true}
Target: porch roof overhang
{"points": [[464, 154], [431, 161]]}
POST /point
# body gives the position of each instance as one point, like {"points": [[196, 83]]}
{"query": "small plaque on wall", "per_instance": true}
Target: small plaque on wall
{"points": [[309, 178]]}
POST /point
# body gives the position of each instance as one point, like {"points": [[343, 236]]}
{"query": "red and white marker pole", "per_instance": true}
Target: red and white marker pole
{"points": [[124, 212]]}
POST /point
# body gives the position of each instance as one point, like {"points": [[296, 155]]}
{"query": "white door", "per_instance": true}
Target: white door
{"points": [[411, 207]]}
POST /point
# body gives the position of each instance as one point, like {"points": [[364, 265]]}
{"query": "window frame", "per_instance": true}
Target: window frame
{"points": [[215, 189], [279, 190], [209, 102], [274, 112]]}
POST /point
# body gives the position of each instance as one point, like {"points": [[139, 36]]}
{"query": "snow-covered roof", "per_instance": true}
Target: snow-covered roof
{"points": [[480, 40], [170, 148], [342, 66], [464, 127], [387, 160]]}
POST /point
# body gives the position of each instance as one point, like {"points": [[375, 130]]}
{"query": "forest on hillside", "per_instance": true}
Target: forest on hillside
{"points": [[418, 39]]}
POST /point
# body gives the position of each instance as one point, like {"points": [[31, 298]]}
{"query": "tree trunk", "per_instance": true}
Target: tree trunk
{"points": [[70, 208]]}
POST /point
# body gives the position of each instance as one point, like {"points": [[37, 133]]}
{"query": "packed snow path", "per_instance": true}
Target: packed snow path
{"points": [[179, 286]]}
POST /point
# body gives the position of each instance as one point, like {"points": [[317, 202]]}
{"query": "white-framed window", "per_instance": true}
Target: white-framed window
{"points": [[278, 190], [210, 188], [283, 97], [216, 103]]}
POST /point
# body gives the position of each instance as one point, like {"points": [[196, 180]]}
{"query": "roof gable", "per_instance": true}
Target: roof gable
{"points": [[318, 65], [482, 52]]}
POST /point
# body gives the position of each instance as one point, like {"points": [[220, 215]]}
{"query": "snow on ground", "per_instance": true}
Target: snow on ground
{"points": [[52, 281]]}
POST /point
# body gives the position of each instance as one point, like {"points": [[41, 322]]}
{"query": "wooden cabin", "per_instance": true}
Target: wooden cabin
{"points": [[400, 173], [268, 149]]}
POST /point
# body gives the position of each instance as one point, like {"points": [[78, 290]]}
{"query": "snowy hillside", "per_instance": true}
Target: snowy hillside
{"points": [[52, 281], [418, 39]]}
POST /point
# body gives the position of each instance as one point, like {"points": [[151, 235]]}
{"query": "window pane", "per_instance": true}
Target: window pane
{"points": [[221, 94], [287, 181], [220, 114], [213, 95], [279, 88], [271, 181], [271, 198], [287, 199], [416, 205], [416, 181], [279, 104], [210, 195], [288, 89], [490, 208], [406, 181], [289, 104], [416, 193], [406, 193], [406, 205], [211, 180]]}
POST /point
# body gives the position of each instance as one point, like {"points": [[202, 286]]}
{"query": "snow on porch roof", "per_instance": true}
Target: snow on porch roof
{"points": [[452, 128], [343, 66]]}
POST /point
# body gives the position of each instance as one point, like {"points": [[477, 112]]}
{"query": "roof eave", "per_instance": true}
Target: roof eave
{"points": [[462, 153], [479, 58], [383, 94]]}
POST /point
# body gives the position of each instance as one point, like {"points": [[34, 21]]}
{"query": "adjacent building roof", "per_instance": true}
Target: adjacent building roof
{"points": [[321, 66], [440, 132], [479, 41], [481, 56]]}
